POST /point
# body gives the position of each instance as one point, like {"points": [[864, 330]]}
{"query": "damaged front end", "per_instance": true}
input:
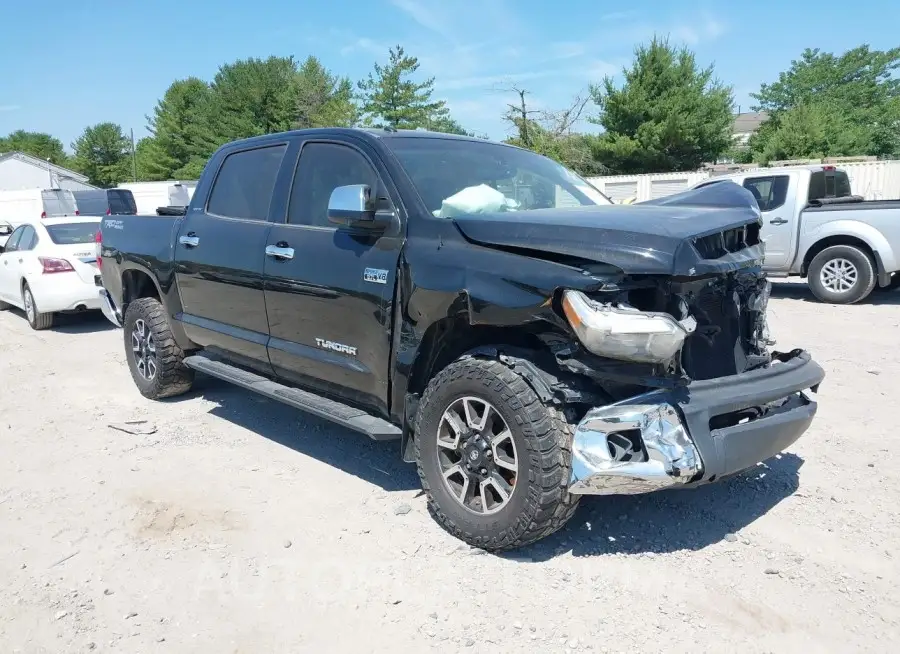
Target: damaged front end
{"points": [[697, 393]]}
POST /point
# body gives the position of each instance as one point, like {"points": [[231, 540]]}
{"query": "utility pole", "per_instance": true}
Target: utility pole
{"points": [[133, 157]]}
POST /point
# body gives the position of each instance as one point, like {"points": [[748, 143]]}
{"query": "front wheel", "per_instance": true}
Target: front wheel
{"points": [[154, 358], [841, 274], [494, 460]]}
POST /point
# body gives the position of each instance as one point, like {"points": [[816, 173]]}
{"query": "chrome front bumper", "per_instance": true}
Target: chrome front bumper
{"points": [[602, 441], [109, 308], [705, 431]]}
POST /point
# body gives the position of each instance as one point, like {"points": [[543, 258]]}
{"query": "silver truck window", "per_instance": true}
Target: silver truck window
{"points": [[770, 192]]}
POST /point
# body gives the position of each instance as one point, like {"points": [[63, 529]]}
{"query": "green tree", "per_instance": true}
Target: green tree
{"points": [[551, 133], [323, 99], [827, 105], [251, 97], [183, 137], [40, 145], [669, 115], [391, 99], [812, 131], [447, 125], [103, 153]]}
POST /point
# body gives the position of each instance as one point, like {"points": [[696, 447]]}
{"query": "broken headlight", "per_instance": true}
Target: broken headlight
{"points": [[623, 332]]}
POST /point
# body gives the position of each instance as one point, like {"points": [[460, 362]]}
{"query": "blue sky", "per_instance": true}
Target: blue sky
{"points": [[71, 63]]}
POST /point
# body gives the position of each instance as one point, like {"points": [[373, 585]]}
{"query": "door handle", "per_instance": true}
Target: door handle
{"points": [[189, 241], [279, 252], [777, 221]]}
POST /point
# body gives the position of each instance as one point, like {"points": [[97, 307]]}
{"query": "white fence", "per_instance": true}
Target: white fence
{"points": [[874, 180]]}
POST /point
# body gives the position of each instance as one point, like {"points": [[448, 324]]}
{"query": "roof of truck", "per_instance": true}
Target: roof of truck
{"points": [[369, 132], [775, 170]]}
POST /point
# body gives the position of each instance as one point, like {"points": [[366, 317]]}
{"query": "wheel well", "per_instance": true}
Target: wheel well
{"points": [[837, 240], [448, 339], [137, 284]]}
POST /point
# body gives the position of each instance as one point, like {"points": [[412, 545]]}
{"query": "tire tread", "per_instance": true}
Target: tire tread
{"points": [[549, 435], [172, 377]]}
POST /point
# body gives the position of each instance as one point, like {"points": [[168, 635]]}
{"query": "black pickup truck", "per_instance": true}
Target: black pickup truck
{"points": [[525, 340]]}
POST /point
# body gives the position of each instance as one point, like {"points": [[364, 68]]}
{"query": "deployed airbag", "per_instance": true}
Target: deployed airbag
{"points": [[475, 200]]}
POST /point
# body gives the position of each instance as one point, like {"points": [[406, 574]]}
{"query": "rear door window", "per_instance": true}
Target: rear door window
{"points": [[12, 243], [29, 239], [243, 188], [770, 192]]}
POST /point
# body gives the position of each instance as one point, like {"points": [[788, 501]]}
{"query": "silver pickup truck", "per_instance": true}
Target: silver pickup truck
{"points": [[814, 227]]}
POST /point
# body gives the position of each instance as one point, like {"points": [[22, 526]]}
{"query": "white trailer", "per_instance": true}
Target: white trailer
{"points": [[872, 180], [149, 196], [17, 207]]}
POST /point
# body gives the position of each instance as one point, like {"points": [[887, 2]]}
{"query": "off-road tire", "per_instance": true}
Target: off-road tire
{"points": [[541, 434], [41, 320], [865, 281], [172, 376]]}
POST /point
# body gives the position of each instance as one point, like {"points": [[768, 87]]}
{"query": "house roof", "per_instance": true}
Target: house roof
{"points": [[748, 122], [35, 161]]}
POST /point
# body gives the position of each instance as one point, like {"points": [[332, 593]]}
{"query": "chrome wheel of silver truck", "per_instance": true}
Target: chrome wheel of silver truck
{"points": [[841, 274]]}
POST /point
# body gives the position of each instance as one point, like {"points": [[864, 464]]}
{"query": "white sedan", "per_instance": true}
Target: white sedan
{"points": [[49, 266]]}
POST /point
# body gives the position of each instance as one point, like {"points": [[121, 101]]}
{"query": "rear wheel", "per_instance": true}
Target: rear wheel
{"points": [[494, 460], [154, 358], [36, 319], [841, 274]]}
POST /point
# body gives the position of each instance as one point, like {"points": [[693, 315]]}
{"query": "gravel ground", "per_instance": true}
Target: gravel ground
{"points": [[240, 525]]}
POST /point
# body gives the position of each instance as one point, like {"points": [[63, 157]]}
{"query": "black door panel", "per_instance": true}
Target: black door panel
{"points": [[329, 320], [220, 254]]}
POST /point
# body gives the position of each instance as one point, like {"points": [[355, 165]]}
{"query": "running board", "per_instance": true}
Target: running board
{"points": [[342, 414]]}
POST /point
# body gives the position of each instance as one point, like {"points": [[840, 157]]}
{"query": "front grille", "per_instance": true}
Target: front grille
{"points": [[718, 245], [730, 317]]}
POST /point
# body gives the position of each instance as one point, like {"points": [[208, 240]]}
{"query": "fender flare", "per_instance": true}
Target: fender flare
{"points": [[541, 383]]}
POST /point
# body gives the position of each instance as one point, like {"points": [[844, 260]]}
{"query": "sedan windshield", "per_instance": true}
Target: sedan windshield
{"points": [[456, 176]]}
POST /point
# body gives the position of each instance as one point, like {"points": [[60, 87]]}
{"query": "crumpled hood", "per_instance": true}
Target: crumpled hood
{"points": [[648, 238]]}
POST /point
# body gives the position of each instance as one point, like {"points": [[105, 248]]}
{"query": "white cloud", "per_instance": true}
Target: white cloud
{"points": [[364, 44], [9, 107], [707, 29], [489, 82], [597, 69], [430, 15], [567, 50]]}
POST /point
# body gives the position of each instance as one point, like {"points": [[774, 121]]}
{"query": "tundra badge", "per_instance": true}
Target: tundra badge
{"points": [[375, 275], [336, 347]]}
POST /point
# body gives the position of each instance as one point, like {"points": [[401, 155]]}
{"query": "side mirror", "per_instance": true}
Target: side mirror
{"points": [[5, 229], [352, 206]]}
